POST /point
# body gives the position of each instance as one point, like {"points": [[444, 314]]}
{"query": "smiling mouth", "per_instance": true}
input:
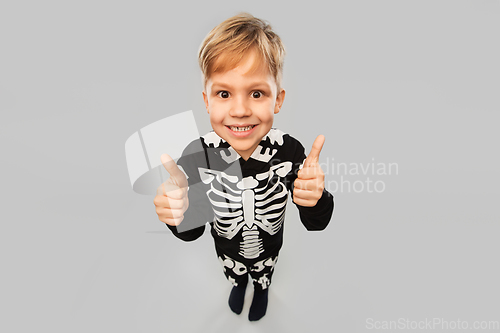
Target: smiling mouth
{"points": [[241, 129]]}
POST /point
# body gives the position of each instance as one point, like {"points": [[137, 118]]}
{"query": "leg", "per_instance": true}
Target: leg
{"points": [[261, 273], [237, 274]]}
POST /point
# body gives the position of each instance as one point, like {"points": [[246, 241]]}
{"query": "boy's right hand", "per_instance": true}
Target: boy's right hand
{"points": [[171, 198]]}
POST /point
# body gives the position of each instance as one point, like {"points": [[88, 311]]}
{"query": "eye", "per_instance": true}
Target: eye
{"points": [[223, 94], [257, 94]]}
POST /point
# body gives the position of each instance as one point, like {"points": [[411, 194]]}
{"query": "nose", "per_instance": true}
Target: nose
{"points": [[240, 108]]}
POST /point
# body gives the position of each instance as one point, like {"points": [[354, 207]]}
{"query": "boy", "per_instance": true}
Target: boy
{"points": [[240, 179]]}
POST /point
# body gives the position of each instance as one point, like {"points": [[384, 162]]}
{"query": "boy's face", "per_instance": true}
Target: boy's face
{"points": [[242, 103]]}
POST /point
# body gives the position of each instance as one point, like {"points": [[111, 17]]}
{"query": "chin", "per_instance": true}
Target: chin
{"points": [[238, 145]]}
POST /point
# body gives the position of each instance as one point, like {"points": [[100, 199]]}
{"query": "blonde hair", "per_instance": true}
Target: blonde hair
{"points": [[228, 43]]}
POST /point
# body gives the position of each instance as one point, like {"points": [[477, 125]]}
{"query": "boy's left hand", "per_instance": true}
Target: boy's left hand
{"points": [[310, 182]]}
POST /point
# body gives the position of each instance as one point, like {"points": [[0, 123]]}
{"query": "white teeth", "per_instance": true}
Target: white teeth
{"points": [[241, 129]]}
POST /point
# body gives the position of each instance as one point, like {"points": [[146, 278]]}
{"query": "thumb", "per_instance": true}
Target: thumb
{"points": [[176, 175], [313, 156]]}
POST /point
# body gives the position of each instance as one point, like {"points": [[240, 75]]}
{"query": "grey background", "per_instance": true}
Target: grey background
{"points": [[409, 82]]}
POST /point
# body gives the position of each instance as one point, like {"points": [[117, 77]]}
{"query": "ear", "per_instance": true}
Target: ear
{"points": [[279, 101], [205, 99]]}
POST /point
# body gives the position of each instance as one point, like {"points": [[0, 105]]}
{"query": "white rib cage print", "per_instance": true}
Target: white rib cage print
{"points": [[250, 204]]}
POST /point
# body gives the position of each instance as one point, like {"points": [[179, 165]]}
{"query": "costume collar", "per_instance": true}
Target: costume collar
{"points": [[266, 149]]}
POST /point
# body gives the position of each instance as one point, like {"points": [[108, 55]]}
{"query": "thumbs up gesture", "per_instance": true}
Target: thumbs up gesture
{"points": [[310, 181], [171, 198]]}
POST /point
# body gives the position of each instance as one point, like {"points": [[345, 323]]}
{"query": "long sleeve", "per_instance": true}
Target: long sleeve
{"points": [[318, 217], [189, 235], [313, 218], [199, 211]]}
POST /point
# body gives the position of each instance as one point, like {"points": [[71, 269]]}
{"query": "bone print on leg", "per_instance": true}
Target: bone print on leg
{"points": [[237, 267], [263, 281], [261, 265]]}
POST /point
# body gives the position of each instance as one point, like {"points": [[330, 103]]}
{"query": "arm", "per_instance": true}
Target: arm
{"points": [[314, 202], [317, 218], [189, 235], [196, 216], [198, 211]]}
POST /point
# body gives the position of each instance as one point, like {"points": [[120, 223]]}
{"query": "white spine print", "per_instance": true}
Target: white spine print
{"points": [[251, 247]]}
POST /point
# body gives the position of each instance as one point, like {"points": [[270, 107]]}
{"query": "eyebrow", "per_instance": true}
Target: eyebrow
{"points": [[251, 84]]}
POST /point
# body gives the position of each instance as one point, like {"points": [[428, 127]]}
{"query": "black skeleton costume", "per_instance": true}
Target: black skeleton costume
{"points": [[245, 201]]}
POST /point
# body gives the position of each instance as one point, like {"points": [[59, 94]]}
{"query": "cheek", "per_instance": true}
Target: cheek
{"points": [[216, 117], [268, 115]]}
